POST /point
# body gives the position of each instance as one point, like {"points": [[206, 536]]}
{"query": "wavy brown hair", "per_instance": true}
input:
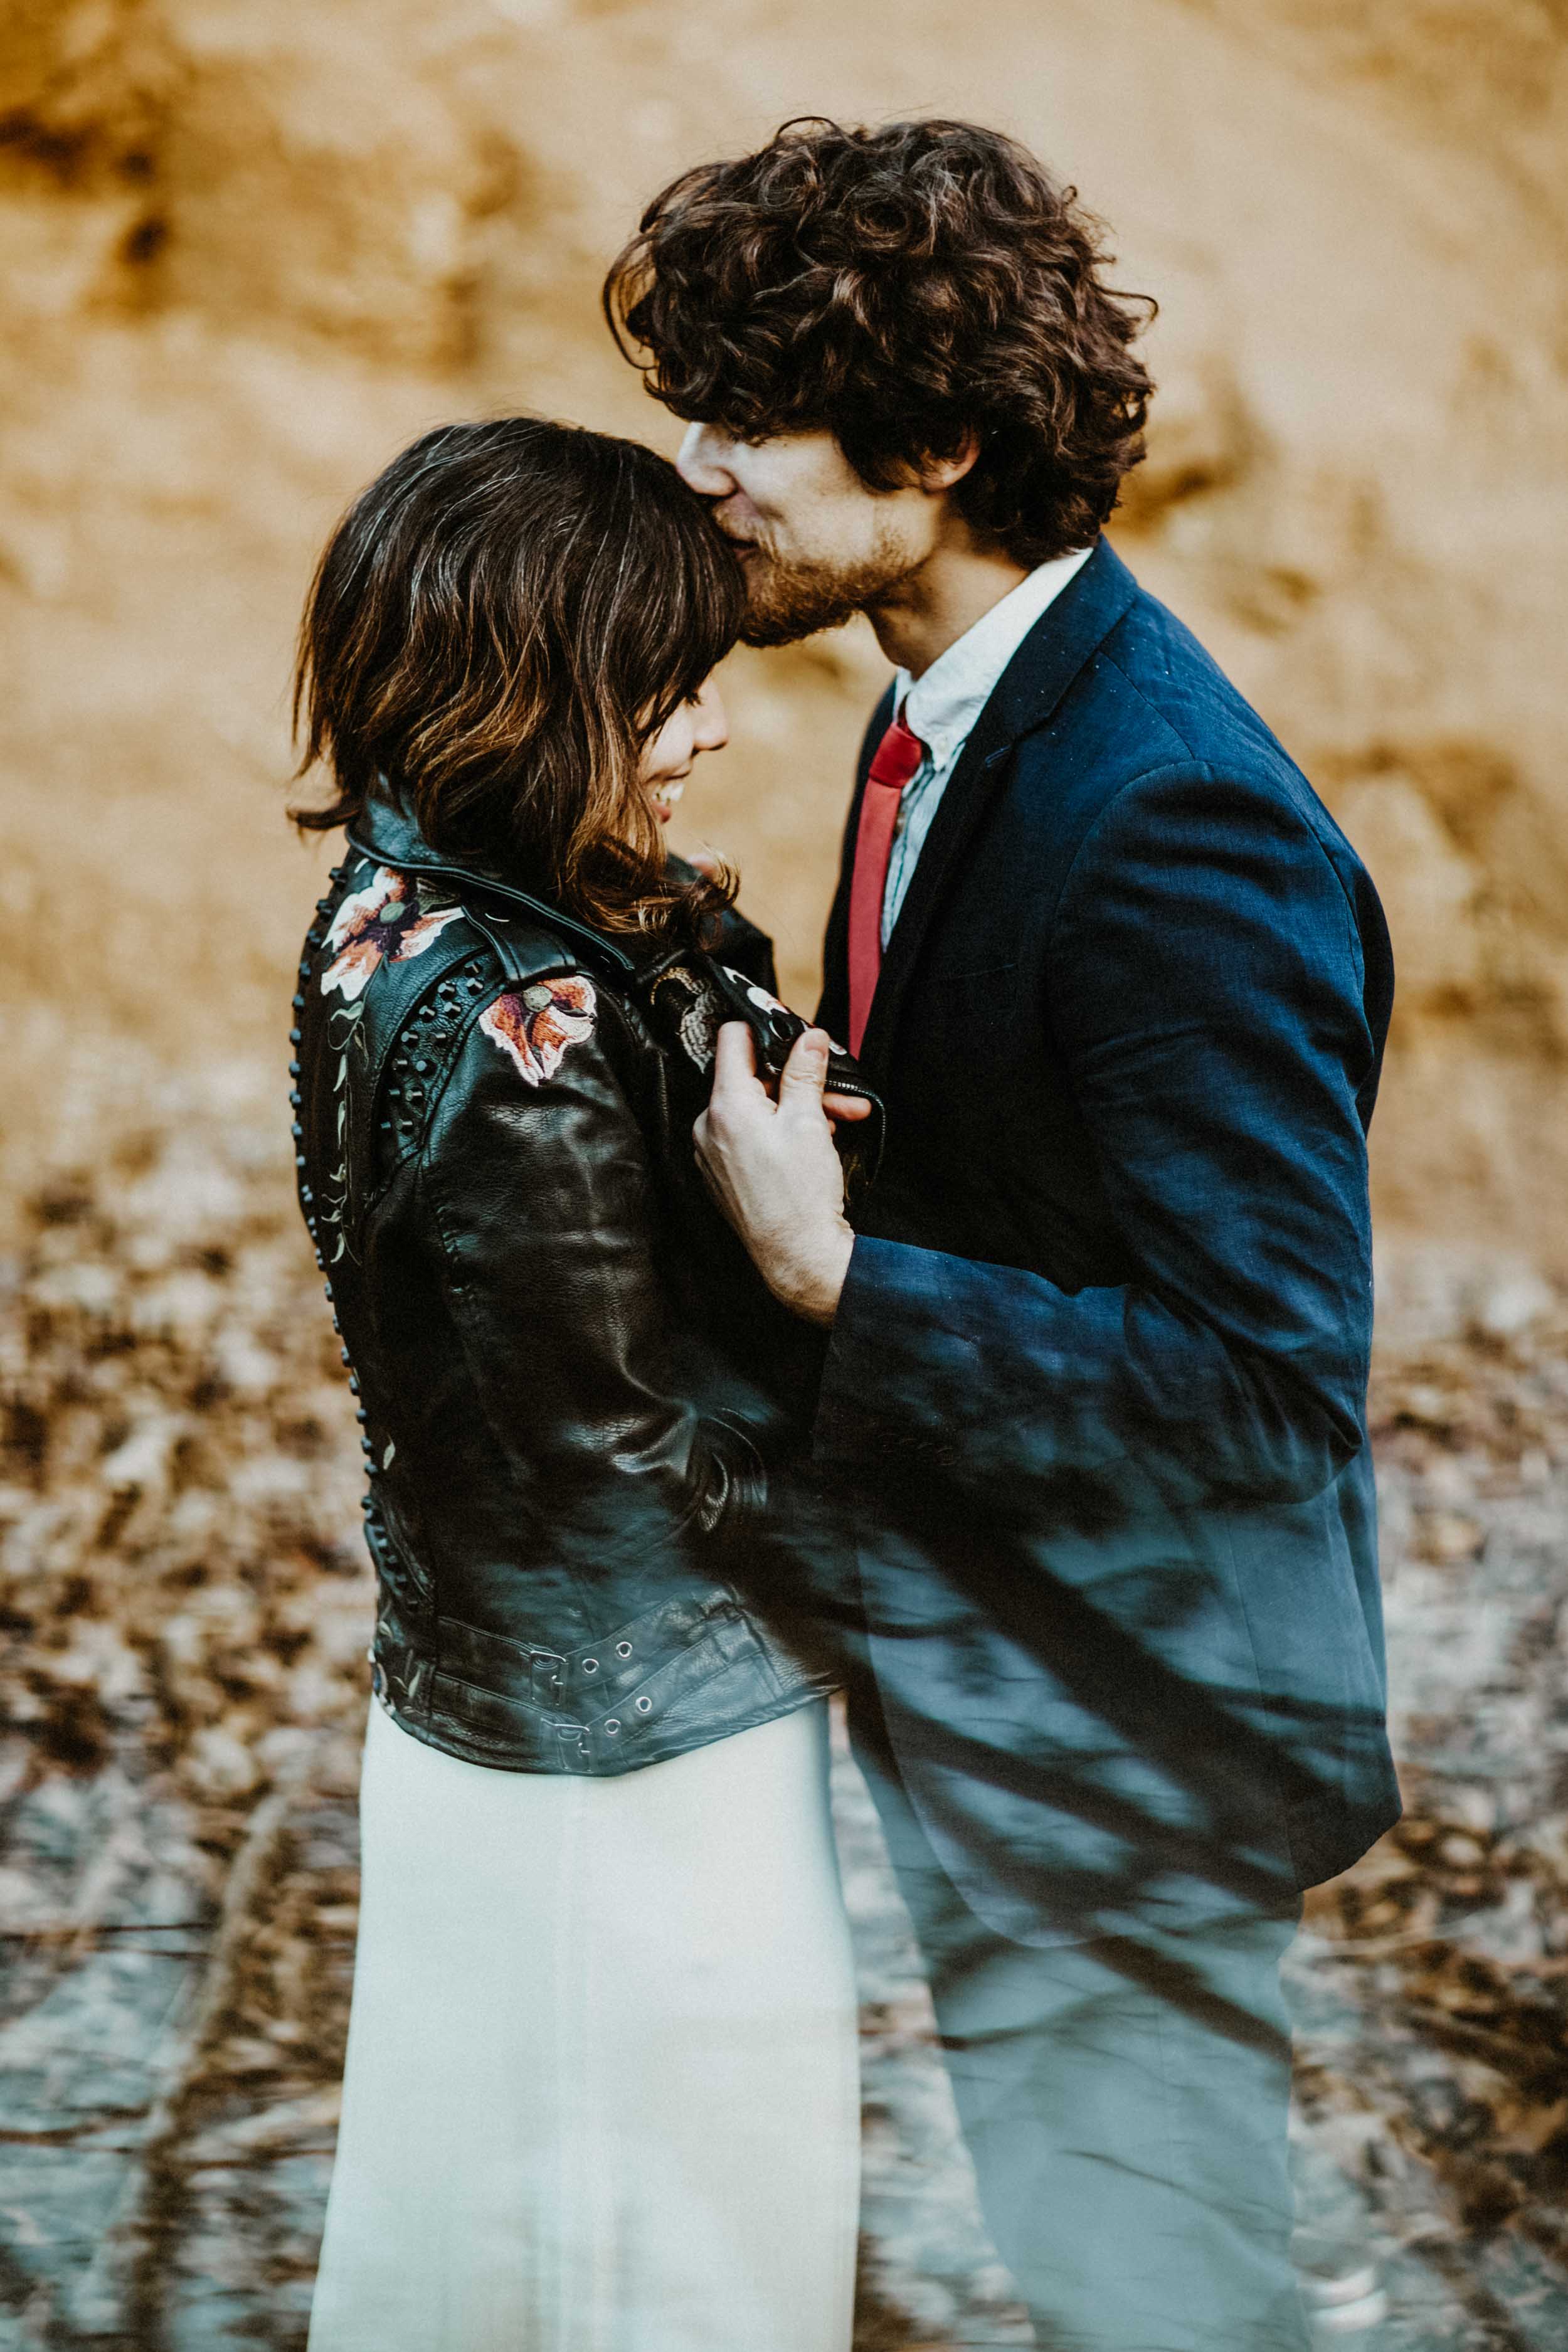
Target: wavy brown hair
{"points": [[904, 287], [497, 627]]}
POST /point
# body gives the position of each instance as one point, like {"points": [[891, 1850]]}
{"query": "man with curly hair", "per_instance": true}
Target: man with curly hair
{"points": [[1093, 1393]]}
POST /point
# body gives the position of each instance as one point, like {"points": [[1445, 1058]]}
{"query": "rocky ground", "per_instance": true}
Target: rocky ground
{"points": [[185, 1612]]}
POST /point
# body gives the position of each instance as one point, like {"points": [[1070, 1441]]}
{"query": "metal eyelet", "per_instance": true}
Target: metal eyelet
{"points": [[644, 1705], [613, 1726], [590, 1666], [622, 1648]]}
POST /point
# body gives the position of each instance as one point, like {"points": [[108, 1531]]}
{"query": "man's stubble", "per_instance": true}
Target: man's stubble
{"points": [[788, 600]]}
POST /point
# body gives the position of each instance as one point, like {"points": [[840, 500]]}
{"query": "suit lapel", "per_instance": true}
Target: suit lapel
{"points": [[1058, 648]]}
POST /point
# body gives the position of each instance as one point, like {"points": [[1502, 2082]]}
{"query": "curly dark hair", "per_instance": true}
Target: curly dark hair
{"points": [[904, 287], [497, 626]]}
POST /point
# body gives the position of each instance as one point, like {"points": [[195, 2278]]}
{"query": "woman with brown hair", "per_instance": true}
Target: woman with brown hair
{"points": [[600, 2084]]}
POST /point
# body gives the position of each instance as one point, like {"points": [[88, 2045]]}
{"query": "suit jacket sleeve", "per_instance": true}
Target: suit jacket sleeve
{"points": [[541, 1189], [1205, 979]]}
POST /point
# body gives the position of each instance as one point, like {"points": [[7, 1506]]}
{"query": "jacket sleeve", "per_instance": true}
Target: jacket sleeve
{"points": [[539, 1184], [1205, 984]]}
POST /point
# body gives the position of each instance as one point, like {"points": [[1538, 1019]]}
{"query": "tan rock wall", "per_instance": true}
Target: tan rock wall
{"points": [[248, 247]]}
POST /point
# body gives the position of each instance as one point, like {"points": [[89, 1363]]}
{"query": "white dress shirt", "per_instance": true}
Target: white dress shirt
{"points": [[941, 705]]}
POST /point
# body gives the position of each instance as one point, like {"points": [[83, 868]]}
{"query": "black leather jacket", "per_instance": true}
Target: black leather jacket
{"points": [[580, 1405]]}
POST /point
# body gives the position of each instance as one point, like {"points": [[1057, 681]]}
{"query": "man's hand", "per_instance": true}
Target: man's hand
{"points": [[774, 1171]]}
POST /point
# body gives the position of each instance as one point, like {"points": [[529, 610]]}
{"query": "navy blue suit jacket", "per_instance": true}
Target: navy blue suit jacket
{"points": [[1096, 1391]]}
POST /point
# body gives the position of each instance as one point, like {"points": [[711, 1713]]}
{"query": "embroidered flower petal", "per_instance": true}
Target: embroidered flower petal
{"points": [[506, 1022], [414, 936], [563, 1024], [350, 974], [360, 907], [385, 918], [539, 1026]]}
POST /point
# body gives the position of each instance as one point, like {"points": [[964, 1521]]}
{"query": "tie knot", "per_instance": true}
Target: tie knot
{"points": [[897, 755]]}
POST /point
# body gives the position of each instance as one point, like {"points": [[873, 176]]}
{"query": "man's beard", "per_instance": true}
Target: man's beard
{"points": [[787, 600]]}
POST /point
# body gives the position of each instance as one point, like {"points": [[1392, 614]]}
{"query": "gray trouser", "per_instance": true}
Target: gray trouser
{"points": [[1125, 2101]]}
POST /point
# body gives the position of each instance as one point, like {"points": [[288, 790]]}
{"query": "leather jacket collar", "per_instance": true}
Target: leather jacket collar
{"points": [[386, 831]]}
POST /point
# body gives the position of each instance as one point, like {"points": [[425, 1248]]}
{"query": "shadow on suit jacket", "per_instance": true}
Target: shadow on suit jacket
{"points": [[1095, 1398]]}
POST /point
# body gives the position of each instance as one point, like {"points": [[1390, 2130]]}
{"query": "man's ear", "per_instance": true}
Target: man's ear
{"points": [[938, 474]]}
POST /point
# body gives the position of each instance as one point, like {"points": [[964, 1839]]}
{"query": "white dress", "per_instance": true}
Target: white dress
{"points": [[602, 2087]]}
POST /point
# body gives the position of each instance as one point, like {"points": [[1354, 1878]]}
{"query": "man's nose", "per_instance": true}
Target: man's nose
{"points": [[703, 464]]}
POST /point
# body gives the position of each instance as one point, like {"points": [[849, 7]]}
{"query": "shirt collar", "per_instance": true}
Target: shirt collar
{"points": [[943, 704]]}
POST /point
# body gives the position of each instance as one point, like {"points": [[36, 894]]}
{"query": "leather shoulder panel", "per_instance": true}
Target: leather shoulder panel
{"points": [[410, 960]]}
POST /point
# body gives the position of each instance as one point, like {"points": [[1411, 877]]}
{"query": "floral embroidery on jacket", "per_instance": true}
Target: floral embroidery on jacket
{"points": [[386, 919], [538, 1023]]}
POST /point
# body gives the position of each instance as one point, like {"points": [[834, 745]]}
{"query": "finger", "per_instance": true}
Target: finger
{"points": [[846, 1105], [735, 1064], [707, 861], [711, 1183], [805, 1075]]}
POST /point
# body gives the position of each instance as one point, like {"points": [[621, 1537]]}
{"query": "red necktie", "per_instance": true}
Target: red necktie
{"points": [[897, 756]]}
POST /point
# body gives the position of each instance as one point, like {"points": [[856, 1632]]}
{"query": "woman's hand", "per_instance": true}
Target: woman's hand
{"points": [[773, 1170]]}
